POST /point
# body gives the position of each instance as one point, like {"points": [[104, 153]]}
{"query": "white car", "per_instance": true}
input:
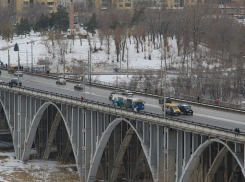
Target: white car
{"points": [[128, 93], [18, 73]]}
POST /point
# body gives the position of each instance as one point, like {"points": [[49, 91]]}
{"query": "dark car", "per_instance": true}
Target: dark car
{"points": [[14, 82], [185, 108], [168, 100], [114, 92], [78, 87]]}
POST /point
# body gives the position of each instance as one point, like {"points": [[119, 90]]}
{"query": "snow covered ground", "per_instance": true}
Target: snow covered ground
{"points": [[100, 62], [12, 169]]}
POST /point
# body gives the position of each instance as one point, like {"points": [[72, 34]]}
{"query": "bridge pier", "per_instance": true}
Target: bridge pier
{"points": [[87, 143]]}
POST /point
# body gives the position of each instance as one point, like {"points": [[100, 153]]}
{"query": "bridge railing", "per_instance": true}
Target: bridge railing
{"points": [[117, 109], [150, 92]]}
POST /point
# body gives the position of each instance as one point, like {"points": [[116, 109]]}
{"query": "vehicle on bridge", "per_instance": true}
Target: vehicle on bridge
{"points": [[114, 92], [128, 102], [78, 87], [185, 108], [168, 100], [61, 81], [127, 93], [14, 82], [14, 68], [18, 73], [171, 109]]}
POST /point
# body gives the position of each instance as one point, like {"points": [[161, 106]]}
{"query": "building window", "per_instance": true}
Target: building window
{"points": [[120, 0], [42, 3], [127, 4], [25, 3], [176, 1], [50, 3], [104, 3], [128, 0], [50, 9], [120, 5]]}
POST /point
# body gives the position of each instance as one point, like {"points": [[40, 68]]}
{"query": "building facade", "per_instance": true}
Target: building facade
{"points": [[114, 4], [65, 3], [7, 4], [18, 5]]}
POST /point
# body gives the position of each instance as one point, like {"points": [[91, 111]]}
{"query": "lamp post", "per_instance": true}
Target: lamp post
{"points": [[16, 48], [32, 42]]}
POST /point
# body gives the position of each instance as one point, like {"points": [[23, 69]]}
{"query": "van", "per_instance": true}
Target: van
{"points": [[172, 109]]}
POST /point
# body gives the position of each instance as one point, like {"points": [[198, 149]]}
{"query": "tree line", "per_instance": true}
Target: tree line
{"points": [[33, 18]]}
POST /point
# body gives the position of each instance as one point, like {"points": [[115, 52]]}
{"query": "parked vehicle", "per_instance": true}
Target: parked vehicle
{"points": [[168, 100], [186, 109], [61, 81], [14, 82], [127, 102], [18, 73], [171, 109], [78, 87]]}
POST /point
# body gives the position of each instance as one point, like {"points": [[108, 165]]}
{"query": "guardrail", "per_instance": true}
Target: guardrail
{"points": [[149, 92], [143, 115]]}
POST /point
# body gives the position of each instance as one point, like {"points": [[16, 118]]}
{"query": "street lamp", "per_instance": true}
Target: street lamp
{"points": [[16, 48]]}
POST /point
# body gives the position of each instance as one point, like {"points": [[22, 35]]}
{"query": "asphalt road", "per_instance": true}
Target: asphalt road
{"points": [[210, 116]]}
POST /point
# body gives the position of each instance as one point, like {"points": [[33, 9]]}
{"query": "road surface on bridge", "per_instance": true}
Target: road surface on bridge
{"points": [[210, 116]]}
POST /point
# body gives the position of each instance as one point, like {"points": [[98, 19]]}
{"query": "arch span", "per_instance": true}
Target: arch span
{"points": [[191, 163], [34, 124], [101, 145]]}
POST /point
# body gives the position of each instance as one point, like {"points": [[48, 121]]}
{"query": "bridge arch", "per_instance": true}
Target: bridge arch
{"points": [[102, 143], [191, 163], [34, 124]]}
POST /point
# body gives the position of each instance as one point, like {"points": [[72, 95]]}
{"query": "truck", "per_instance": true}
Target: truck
{"points": [[128, 102]]}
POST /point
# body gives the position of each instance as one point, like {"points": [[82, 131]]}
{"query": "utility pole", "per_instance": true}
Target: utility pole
{"points": [[8, 59], [16, 48], [83, 81], [90, 67], [88, 64], [26, 58], [31, 57], [161, 75], [64, 63], [127, 61], [164, 93]]}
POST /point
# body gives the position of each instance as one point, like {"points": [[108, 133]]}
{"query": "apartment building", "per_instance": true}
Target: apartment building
{"points": [[65, 3], [116, 4], [18, 5], [7, 4]]}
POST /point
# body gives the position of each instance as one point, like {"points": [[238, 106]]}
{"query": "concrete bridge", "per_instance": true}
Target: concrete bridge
{"points": [[110, 143]]}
